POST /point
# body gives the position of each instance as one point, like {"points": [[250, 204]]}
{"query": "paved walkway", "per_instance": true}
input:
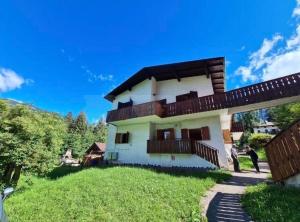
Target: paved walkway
{"points": [[222, 202]]}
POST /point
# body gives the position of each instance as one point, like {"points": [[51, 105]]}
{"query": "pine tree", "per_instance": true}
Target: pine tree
{"points": [[81, 124], [100, 131], [69, 121]]}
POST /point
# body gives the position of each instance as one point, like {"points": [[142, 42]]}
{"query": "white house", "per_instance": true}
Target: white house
{"points": [[180, 115], [266, 127]]}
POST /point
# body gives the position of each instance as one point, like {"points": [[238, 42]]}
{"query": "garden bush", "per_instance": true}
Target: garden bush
{"points": [[259, 140]]}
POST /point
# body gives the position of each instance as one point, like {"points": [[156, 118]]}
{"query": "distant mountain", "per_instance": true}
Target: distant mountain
{"points": [[14, 102]]}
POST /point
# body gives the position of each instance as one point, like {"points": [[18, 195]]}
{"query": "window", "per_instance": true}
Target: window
{"points": [[122, 138], [165, 134], [123, 105], [196, 134]]}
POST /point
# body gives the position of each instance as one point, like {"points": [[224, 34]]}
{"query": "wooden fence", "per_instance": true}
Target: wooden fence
{"points": [[283, 153]]}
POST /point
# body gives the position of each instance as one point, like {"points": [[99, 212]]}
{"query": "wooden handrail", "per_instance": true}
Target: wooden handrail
{"points": [[206, 152]]}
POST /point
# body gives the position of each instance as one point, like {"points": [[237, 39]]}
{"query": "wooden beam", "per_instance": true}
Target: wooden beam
{"points": [[206, 71]]}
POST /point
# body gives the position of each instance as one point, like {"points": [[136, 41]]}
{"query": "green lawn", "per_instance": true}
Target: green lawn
{"points": [[112, 194], [272, 203], [245, 163], [262, 155]]}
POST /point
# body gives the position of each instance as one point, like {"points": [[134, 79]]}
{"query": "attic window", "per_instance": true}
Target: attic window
{"points": [[122, 138], [123, 105]]}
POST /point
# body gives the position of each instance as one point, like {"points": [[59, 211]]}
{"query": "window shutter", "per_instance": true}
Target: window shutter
{"points": [[205, 133], [184, 133], [118, 138], [227, 136], [159, 134]]}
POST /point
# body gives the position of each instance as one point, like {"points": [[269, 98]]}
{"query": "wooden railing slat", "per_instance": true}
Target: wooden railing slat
{"points": [[283, 151]]}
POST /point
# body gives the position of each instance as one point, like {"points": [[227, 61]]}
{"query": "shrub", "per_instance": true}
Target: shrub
{"points": [[259, 140]]}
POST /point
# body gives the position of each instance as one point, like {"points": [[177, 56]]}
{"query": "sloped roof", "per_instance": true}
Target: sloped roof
{"points": [[97, 146], [214, 67]]}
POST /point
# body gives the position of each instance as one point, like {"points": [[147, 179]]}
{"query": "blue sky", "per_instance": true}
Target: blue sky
{"points": [[65, 55]]}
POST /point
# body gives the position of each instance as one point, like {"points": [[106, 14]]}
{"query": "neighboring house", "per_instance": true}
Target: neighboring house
{"points": [[67, 159], [266, 127], [180, 115], [94, 155]]}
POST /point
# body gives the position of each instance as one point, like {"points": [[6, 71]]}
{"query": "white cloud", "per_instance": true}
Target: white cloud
{"points": [[105, 77], [258, 59], [10, 80], [296, 11], [294, 41], [282, 64], [242, 48], [272, 60]]}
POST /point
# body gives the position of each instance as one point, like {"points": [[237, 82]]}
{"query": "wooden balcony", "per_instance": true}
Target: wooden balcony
{"points": [[184, 146], [287, 86], [279, 88], [145, 109], [176, 146]]}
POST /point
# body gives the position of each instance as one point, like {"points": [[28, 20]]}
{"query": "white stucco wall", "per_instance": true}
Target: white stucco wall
{"points": [[169, 89], [136, 150], [140, 93], [293, 181], [150, 90], [267, 129]]}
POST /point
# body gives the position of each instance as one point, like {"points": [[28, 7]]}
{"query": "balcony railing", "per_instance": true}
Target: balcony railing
{"points": [[169, 146], [145, 109], [273, 89], [270, 90], [183, 146]]}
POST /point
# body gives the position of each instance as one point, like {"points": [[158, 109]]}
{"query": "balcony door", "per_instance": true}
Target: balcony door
{"points": [[165, 134]]}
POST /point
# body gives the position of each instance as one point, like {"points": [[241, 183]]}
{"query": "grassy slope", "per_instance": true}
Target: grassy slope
{"points": [[112, 194], [272, 203]]}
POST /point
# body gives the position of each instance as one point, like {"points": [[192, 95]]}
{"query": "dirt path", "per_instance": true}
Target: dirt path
{"points": [[223, 201]]}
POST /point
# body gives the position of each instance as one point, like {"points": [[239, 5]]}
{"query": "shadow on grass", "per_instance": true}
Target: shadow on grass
{"points": [[63, 171], [200, 173]]}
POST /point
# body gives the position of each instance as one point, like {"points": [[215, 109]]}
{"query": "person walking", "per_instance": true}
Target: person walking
{"points": [[254, 157], [234, 156]]}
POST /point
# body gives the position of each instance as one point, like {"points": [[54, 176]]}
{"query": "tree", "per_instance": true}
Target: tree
{"points": [[284, 115], [30, 140], [69, 121], [249, 120], [100, 131], [81, 124]]}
